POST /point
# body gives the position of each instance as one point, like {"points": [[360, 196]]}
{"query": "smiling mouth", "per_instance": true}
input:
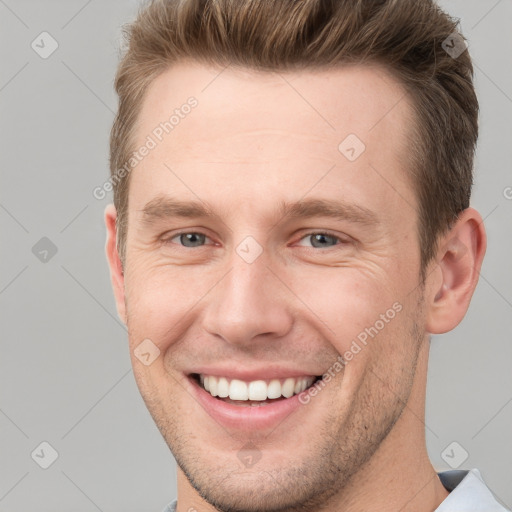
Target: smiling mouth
{"points": [[254, 393]]}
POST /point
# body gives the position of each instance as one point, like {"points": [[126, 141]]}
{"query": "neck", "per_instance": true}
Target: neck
{"points": [[399, 476]]}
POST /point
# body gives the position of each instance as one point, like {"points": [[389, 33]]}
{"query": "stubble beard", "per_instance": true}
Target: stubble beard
{"points": [[339, 450]]}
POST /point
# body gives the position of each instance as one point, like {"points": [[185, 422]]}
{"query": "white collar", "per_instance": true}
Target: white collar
{"points": [[468, 493]]}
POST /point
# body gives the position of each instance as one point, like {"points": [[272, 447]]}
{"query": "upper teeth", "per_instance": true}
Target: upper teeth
{"points": [[256, 389]]}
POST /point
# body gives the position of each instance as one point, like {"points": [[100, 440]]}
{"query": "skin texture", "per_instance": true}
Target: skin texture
{"points": [[254, 140]]}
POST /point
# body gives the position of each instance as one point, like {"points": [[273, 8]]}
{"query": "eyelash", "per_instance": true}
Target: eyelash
{"points": [[341, 241]]}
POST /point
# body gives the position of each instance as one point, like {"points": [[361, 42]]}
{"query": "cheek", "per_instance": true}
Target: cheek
{"points": [[351, 303], [360, 302], [159, 299], [155, 307]]}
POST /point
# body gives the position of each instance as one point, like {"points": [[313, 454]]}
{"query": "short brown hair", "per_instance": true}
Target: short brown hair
{"points": [[277, 35]]}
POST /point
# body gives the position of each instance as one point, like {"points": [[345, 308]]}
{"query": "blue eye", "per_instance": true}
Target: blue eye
{"points": [[318, 240], [190, 239], [321, 240]]}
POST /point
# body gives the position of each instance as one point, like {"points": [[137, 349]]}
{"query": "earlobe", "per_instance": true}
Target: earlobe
{"points": [[114, 261], [460, 255]]}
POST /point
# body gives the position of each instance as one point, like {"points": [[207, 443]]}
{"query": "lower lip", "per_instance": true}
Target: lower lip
{"points": [[241, 417]]}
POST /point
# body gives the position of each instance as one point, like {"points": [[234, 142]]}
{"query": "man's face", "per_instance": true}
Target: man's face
{"points": [[252, 294]]}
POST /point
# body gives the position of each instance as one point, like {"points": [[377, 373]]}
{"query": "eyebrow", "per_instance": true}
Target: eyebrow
{"points": [[164, 207], [337, 210]]}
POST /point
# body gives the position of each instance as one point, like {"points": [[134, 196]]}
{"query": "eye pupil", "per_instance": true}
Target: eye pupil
{"points": [[192, 239], [318, 240], [321, 238]]}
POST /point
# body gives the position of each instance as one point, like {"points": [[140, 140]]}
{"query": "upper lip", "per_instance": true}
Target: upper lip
{"points": [[251, 374]]}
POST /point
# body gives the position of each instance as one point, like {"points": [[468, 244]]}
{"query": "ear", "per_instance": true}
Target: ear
{"points": [[452, 282], [114, 262]]}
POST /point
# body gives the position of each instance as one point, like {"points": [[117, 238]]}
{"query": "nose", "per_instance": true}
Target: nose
{"points": [[251, 301]]}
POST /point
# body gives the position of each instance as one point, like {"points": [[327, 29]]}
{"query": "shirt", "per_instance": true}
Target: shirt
{"points": [[468, 493]]}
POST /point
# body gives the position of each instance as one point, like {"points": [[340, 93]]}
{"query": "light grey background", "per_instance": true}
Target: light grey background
{"points": [[65, 374]]}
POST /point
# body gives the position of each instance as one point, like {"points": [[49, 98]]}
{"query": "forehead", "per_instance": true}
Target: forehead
{"points": [[347, 97], [252, 132]]}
